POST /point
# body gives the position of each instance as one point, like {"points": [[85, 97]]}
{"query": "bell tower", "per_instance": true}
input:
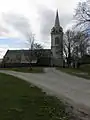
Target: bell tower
{"points": [[57, 43]]}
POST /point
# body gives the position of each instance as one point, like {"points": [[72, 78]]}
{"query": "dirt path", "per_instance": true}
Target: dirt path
{"points": [[74, 90]]}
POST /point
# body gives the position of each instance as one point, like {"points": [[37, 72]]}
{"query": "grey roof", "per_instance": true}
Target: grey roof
{"points": [[57, 29], [25, 55], [57, 23], [45, 52]]}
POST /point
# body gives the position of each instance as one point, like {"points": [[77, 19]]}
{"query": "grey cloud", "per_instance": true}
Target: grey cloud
{"points": [[65, 19], [19, 22], [3, 30], [47, 18]]}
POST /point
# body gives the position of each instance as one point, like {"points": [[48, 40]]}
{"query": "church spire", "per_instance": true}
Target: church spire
{"points": [[57, 24]]}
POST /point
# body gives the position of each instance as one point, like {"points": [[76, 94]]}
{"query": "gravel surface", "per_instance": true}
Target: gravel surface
{"points": [[73, 90]]}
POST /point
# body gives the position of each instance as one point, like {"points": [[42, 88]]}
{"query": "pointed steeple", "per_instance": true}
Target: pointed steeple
{"points": [[57, 23]]}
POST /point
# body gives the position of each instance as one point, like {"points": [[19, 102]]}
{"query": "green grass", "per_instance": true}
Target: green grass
{"points": [[83, 71], [26, 69], [85, 68], [21, 101]]}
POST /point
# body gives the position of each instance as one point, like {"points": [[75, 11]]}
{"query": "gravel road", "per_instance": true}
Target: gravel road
{"points": [[74, 90]]}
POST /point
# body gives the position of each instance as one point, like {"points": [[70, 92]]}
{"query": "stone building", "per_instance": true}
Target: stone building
{"points": [[57, 43], [51, 57], [39, 56]]}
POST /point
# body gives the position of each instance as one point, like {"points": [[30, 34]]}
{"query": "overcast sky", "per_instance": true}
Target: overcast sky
{"points": [[17, 17]]}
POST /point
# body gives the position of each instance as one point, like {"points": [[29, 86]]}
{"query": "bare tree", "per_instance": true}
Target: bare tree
{"points": [[76, 45], [82, 43], [30, 42], [82, 15], [68, 45], [37, 46], [81, 46], [32, 46]]}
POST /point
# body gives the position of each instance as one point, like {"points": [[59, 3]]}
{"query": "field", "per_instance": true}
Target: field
{"points": [[26, 69], [83, 71], [20, 100]]}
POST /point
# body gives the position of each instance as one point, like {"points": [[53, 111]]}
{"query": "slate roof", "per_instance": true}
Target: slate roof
{"points": [[25, 55]]}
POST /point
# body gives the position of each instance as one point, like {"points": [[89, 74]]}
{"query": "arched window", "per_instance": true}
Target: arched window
{"points": [[57, 40]]}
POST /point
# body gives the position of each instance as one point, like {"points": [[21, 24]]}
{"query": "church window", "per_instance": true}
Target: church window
{"points": [[56, 40]]}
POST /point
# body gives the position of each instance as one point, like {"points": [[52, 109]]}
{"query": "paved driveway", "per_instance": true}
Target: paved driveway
{"points": [[75, 90]]}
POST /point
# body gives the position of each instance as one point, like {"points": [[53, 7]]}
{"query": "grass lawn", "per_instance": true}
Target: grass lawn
{"points": [[26, 69], [21, 101], [83, 71]]}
